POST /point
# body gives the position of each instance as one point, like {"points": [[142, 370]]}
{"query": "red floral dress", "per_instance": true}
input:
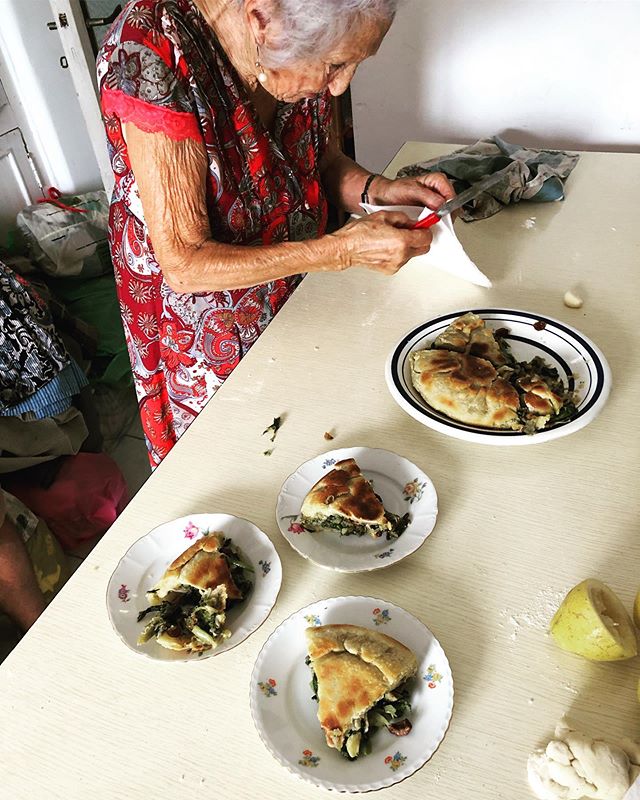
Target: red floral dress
{"points": [[162, 68]]}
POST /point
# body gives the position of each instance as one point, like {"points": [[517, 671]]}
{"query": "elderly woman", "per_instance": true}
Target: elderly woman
{"points": [[217, 114]]}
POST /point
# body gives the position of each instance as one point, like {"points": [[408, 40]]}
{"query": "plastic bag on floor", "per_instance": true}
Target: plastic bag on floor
{"points": [[84, 500], [69, 238]]}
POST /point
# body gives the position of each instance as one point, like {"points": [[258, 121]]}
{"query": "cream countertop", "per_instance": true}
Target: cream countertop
{"points": [[85, 717]]}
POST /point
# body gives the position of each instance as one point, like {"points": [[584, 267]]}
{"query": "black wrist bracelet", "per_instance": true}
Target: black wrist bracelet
{"points": [[364, 197]]}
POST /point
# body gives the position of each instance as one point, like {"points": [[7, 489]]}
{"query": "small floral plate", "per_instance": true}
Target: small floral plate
{"points": [[403, 488], [148, 558], [284, 712]]}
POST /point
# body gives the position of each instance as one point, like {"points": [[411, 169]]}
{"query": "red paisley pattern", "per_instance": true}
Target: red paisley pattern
{"points": [[162, 68]]}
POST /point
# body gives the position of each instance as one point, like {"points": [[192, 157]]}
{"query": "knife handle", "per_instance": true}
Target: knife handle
{"points": [[427, 222]]}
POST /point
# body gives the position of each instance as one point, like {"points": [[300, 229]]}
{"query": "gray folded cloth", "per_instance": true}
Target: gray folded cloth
{"points": [[27, 442], [532, 175]]}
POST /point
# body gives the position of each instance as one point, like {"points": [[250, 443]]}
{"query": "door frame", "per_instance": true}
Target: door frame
{"points": [[77, 48]]}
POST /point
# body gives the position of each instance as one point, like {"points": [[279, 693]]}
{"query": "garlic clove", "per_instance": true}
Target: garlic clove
{"points": [[571, 300]]}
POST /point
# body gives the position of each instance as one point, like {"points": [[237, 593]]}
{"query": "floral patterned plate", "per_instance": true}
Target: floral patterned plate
{"points": [[147, 559], [403, 488], [284, 712]]}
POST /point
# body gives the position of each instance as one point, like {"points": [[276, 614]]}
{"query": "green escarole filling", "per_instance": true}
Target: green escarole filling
{"points": [[536, 369], [390, 712], [515, 371], [347, 527], [198, 613]]}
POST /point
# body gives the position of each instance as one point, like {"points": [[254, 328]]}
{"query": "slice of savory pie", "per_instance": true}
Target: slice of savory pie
{"points": [[190, 601], [465, 388], [469, 334], [359, 681], [344, 500], [471, 376]]}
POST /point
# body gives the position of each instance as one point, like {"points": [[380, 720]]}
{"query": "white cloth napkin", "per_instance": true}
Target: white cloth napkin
{"points": [[634, 791], [446, 252]]}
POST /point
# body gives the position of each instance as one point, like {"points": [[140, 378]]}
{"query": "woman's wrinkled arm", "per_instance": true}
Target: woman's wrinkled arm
{"points": [[172, 175], [344, 181]]}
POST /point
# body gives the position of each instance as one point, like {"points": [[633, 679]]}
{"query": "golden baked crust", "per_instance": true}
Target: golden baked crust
{"points": [[465, 388], [355, 668], [538, 396], [202, 566], [469, 334], [347, 492], [189, 603], [209, 544]]}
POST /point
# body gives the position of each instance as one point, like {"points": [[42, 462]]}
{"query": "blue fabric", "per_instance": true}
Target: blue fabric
{"points": [[529, 174], [52, 399]]}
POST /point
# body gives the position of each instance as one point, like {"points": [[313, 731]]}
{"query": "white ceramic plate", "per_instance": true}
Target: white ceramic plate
{"points": [[580, 364], [403, 488], [285, 713], [148, 558]]}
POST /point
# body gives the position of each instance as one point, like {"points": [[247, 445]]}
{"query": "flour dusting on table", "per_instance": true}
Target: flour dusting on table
{"points": [[538, 616]]}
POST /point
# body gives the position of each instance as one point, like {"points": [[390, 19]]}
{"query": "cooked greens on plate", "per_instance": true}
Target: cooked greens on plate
{"points": [[470, 375], [360, 682], [344, 500], [188, 605]]}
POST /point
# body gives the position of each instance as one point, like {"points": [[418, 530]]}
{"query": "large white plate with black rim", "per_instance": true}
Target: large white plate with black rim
{"points": [[148, 558], [285, 714], [580, 363], [403, 487]]}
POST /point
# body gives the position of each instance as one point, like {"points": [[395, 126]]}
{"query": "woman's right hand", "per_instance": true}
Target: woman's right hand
{"points": [[383, 241]]}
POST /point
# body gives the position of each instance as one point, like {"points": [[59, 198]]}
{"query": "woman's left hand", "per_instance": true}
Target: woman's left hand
{"points": [[431, 189]]}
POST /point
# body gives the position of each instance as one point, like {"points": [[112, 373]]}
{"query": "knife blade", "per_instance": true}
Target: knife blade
{"points": [[460, 199]]}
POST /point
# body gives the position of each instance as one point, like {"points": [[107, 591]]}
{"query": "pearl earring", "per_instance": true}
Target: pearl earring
{"points": [[262, 75]]}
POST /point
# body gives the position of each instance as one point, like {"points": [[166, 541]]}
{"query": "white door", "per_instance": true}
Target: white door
{"points": [[20, 185], [80, 53]]}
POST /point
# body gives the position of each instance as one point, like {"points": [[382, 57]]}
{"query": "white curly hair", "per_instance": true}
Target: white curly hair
{"points": [[312, 28]]}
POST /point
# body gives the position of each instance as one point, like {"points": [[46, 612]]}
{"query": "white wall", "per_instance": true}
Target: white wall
{"points": [[43, 98], [559, 73]]}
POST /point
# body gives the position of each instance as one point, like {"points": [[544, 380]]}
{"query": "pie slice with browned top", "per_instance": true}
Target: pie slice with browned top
{"points": [[202, 565], [469, 334], [540, 399], [359, 678], [188, 604], [344, 500], [470, 375], [465, 388]]}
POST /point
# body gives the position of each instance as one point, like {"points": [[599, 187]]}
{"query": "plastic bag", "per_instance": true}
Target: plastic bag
{"points": [[89, 492], [69, 238]]}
